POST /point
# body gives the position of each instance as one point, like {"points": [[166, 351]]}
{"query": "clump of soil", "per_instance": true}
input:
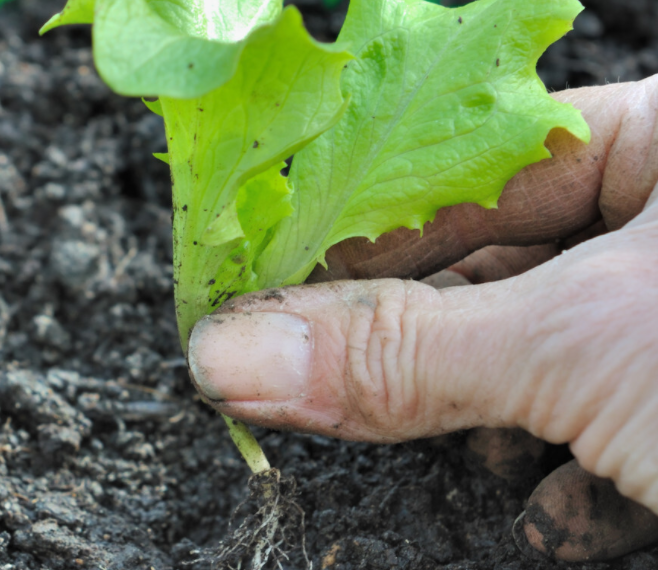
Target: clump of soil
{"points": [[107, 457]]}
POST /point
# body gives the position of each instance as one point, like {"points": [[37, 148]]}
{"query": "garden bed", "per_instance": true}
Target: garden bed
{"points": [[107, 457]]}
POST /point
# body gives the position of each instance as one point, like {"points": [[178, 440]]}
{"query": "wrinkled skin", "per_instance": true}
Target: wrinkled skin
{"points": [[564, 346]]}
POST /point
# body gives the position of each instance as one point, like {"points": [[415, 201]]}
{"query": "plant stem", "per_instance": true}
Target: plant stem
{"points": [[247, 445]]}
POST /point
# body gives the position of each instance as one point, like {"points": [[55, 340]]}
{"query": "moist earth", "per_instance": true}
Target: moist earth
{"points": [[107, 457]]}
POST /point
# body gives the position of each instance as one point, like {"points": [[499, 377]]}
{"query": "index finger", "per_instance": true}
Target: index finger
{"points": [[609, 179]]}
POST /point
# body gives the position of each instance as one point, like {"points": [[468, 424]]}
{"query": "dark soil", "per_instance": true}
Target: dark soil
{"points": [[107, 457]]}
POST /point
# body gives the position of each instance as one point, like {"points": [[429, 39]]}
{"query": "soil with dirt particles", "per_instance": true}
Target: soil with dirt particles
{"points": [[108, 460]]}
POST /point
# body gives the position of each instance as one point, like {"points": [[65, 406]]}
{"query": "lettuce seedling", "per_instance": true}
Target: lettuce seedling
{"points": [[414, 108]]}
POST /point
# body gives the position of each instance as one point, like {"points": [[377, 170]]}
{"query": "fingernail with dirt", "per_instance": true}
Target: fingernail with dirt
{"points": [[251, 356]]}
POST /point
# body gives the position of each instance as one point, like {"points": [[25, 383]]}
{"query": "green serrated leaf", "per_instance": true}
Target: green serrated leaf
{"points": [[284, 94], [75, 12], [177, 48], [446, 108]]}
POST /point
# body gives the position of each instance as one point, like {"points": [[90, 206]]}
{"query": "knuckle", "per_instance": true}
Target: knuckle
{"points": [[380, 359]]}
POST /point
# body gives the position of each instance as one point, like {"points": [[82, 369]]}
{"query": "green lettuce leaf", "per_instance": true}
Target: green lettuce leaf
{"points": [[75, 12], [285, 93], [445, 108], [177, 48]]}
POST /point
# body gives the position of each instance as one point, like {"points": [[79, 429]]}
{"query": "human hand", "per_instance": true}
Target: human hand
{"points": [[566, 347]]}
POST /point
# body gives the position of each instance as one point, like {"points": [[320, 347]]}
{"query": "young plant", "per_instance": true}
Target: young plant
{"points": [[414, 108]]}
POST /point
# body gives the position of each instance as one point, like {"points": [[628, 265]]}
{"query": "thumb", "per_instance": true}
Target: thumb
{"points": [[565, 351], [383, 360]]}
